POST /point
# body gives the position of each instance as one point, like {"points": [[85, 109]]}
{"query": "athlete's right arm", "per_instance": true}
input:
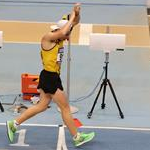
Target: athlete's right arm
{"points": [[61, 33]]}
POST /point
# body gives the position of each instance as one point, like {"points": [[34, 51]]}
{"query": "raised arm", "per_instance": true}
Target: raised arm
{"points": [[73, 20], [77, 14]]}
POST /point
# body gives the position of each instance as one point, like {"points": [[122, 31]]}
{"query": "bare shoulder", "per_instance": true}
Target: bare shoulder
{"points": [[47, 43]]}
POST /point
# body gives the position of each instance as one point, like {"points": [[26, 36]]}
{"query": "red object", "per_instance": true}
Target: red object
{"points": [[77, 122], [29, 84], [27, 96]]}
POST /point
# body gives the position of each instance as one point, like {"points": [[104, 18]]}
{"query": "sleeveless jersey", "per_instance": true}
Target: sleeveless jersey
{"points": [[52, 58]]}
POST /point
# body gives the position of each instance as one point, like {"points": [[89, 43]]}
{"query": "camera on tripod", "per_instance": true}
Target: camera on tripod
{"points": [[107, 43]]}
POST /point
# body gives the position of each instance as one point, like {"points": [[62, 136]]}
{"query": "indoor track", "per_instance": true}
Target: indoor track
{"points": [[47, 137], [129, 71]]}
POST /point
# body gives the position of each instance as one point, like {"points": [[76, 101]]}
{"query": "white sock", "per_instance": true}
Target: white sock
{"points": [[77, 136], [16, 124]]}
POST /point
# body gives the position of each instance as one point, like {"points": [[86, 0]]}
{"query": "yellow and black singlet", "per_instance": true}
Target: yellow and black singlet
{"points": [[52, 58]]}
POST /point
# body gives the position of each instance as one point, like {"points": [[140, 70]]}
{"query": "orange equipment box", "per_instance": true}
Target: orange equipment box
{"points": [[29, 83], [27, 96]]}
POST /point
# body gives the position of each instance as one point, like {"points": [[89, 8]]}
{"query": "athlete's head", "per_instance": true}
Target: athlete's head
{"points": [[58, 25]]}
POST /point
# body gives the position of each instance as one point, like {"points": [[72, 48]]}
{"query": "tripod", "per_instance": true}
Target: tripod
{"points": [[104, 84]]}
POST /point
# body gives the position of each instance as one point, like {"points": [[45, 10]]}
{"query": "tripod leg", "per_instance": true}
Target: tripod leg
{"points": [[1, 107], [95, 101], [113, 93], [104, 93]]}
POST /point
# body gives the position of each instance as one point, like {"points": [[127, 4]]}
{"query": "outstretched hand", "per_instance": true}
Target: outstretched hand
{"points": [[77, 9]]}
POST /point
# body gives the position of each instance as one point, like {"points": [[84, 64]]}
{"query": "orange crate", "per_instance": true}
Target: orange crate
{"points": [[29, 83], [28, 96]]}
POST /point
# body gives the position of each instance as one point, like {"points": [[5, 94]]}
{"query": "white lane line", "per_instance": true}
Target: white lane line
{"points": [[90, 127], [36, 125], [116, 128], [21, 138], [61, 144]]}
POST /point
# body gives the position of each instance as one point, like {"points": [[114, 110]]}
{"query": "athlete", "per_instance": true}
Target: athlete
{"points": [[50, 85]]}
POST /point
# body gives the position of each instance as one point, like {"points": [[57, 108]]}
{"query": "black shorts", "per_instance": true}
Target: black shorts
{"points": [[49, 82]]}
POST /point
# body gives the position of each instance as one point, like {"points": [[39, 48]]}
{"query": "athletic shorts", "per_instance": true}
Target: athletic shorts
{"points": [[49, 82]]}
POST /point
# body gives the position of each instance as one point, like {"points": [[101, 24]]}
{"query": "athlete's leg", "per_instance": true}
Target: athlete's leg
{"points": [[61, 100], [30, 112], [35, 109]]}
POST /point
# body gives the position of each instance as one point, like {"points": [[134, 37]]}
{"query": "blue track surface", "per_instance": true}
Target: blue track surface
{"points": [[46, 138]]}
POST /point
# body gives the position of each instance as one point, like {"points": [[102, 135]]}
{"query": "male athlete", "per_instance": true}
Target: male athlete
{"points": [[50, 86]]}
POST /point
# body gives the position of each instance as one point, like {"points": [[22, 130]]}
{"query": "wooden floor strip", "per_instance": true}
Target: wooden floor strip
{"points": [[31, 32]]}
